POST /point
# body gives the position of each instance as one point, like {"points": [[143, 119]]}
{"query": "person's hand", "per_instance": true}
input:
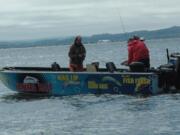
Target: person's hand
{"points": [[124, 63], [81, 55]]}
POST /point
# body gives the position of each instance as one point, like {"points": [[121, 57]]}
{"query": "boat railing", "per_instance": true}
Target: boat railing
{"points": [[64, 69]]}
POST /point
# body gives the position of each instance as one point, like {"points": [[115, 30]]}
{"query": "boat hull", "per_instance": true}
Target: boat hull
{"points": [[72, 83]]}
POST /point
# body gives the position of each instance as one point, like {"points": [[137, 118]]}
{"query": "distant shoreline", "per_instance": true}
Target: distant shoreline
{"points": [[87, 44], [162, 34]]}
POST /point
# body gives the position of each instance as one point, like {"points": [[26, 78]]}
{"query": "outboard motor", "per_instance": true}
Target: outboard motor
{"points": [[175, 61], [174, 58], [177, 68], [111, 67], [55, 67], [137, 67], [169, 74]]}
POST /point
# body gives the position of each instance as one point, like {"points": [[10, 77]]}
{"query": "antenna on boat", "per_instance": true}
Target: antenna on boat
{"points": [[167, 53]]}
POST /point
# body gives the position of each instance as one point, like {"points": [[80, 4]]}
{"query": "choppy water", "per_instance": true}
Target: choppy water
{"points": [[87, 114]]}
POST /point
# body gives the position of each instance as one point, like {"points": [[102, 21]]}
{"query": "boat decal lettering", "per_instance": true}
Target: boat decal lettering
{"points": [[68, 77], [69, 80], [142, 82], [128, 80], [138, 82], [95, 85], [69, 83], [29, 87]]}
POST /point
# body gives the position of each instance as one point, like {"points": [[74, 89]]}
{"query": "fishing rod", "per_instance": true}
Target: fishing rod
{"points": [[118, 11], [122, 24]]}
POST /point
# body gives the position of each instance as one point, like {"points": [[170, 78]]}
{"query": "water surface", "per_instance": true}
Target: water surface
{"points": [[87, 114]]}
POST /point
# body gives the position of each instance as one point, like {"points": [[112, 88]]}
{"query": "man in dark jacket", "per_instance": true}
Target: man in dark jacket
{"points": [[77, 54]]}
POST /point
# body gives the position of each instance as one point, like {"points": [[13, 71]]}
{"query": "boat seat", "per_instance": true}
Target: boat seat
{"points": [[137, 67], [111, 67], [91, 68], [55, 67], [96, 64]]}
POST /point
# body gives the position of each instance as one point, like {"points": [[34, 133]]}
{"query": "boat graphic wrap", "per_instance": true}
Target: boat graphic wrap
{"points": [[80, 83]]}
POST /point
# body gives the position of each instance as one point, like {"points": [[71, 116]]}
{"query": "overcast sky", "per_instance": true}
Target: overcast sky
{"points": [[33, 19]]}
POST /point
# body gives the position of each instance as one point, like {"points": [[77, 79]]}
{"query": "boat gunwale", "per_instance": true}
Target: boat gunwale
{"points": [[84, 72]]}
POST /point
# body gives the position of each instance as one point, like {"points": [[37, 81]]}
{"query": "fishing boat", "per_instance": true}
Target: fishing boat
{"points": [[57, 81]]}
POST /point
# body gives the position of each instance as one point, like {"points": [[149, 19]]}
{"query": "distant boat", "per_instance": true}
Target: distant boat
{"points": [[104, 41]]}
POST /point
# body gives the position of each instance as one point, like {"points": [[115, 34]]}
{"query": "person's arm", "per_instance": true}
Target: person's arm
{"points": [[83, 52], [124, 63], [71, 52], [130, 55]]}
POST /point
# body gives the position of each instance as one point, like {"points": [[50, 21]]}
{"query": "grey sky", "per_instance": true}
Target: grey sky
{"points": [[28, 19]]}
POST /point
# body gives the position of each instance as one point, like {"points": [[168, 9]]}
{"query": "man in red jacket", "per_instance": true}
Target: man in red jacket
{"points": [[138, 52]]}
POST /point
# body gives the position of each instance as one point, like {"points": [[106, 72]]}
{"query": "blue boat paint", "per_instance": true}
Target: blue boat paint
{"points": [[72, 83]]}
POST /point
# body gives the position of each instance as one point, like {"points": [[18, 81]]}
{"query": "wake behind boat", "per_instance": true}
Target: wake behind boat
{"points": [[59, 81]]}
